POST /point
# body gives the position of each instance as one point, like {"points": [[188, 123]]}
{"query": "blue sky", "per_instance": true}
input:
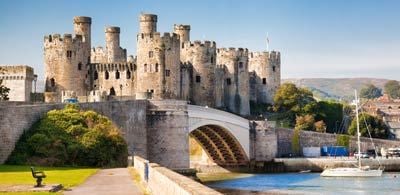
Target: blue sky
{"points": [[317, 38]]}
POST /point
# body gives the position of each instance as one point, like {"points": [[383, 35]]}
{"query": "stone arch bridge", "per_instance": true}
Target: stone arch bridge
{"points": [[155, 130]]}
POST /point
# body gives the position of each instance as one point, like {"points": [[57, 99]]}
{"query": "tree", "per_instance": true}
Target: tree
{"points": [[376, 126], [370, 91], [329, 112], [320, 126], [71, 137], [305, 122], [3, 89], [290, 98], [392, 88]]}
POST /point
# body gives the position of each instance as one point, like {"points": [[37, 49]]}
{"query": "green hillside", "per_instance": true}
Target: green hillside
{"points": [[338, 89]]}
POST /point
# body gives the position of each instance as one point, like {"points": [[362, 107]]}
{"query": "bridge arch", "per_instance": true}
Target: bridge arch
{"points": [[223, 136]]}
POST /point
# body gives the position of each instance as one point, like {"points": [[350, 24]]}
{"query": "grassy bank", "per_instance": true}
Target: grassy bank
{"points": [[21, 175]]}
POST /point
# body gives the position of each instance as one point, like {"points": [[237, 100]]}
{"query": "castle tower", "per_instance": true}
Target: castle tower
{"points": [[148, 23], [265, 75], [115, 53], [236, 85], [184, 33], [202, 58], [158, 61], [66, 60], [82, 26]]}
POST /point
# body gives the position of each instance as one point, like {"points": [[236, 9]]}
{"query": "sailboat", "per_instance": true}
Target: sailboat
{"points": [[359, 171]]}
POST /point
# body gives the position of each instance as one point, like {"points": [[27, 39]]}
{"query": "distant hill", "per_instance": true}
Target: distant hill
{"points": [[338, 89]]}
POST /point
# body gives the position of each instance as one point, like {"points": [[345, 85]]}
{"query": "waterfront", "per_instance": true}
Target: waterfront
{"points": [[311, 183]]}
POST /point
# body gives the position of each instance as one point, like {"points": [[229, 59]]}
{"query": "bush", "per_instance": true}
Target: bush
{"points": [[343, 140], [71, 137]]}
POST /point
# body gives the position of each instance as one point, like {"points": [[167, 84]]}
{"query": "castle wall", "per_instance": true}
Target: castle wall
{"points": [[19, 80], [236, 85], [113, 53], [114, 79], [128, 116], [202, 58]]}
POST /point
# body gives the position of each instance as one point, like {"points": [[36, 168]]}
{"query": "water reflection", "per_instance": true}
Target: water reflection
{"points": [[306, 183]]}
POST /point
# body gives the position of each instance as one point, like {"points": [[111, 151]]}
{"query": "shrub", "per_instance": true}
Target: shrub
{"points": [[343, 140], [71, 137]]}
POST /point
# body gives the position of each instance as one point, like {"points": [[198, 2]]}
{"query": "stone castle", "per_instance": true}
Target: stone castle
{"points": [[167, 66]]}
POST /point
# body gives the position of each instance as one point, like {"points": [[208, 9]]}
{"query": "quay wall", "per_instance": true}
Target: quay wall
{"points": [[319, 164], [161, 180], [315, 139]]}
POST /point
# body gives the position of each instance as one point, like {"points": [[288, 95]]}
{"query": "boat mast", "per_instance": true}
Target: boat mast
{"points": [[358, 131]]}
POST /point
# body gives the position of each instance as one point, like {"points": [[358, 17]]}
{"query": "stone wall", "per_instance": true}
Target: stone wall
{"points": [[19, 80], [315, 139], [168, 134], [161, 180], [128, 116], [263, 143]]}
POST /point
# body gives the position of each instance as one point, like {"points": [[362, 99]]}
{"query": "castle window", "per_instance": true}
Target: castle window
{"points": [[96, 75], [128, 74], [69, 54], [117, 74], [80, 66], [240, 64], [151, 35], [228, 81], [112, 91], [107, 75], [212, 59], [264, 81], [150, 54], [183, 45], [52, 82], [145, 67], [156, 67], [273, 68], [198, 79], [167, 72], [142, 36]]}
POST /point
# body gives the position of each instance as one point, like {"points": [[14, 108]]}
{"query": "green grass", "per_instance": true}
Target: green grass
{"points": [[67, 176]]}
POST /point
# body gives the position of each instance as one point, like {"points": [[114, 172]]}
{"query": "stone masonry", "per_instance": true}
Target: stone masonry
{"points": [[19, 80]]}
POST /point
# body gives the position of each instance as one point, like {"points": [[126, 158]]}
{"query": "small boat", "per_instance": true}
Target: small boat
{"points": [[305, 171], [359, 171]]}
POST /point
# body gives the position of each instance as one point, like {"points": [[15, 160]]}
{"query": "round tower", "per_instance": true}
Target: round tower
{"points": [[65, 64], [183, 31], [236, 85], [82, 26], [113, 43], [148, 23], [202, 58]]}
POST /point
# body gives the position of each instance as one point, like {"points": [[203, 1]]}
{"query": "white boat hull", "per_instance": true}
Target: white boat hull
{"points": [[351, 172]]}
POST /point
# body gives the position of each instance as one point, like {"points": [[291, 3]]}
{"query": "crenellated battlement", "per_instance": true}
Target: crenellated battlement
{"points": [[61, 41], [197, 43], [181, 27], [148, 18], [82, 19], [101, 67], [113, 29], [234, 52], [272, 55], [275, 56]]}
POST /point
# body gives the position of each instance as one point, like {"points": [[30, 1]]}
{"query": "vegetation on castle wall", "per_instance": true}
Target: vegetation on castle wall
{"points": [[343, 140], [376, 126], [296, 142], [3, 89], [71, 137]]}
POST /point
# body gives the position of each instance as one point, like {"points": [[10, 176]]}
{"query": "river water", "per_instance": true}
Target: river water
{"points": [[312, 183]]}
